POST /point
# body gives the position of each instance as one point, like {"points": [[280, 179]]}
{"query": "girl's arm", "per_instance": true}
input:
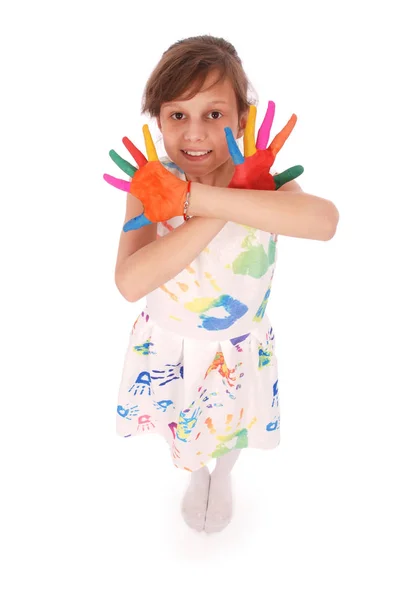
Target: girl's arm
{"points": [[156, 263], [288, 213]]}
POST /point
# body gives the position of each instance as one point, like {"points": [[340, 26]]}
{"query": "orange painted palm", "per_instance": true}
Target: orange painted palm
{"points": [[252, 171], [162, 194]]}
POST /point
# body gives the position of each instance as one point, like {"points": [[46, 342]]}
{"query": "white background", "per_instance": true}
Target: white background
{"points": [[86, 514]]}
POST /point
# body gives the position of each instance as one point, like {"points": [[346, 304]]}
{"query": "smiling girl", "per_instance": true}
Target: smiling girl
{"points": [[200, 368]]}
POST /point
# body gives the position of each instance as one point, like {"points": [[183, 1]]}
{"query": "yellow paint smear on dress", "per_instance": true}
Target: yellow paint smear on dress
{"points": [[228, 422], [199, 305], [213, 282]]}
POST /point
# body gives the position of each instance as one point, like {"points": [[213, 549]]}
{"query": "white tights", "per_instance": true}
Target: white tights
{"points": [[211, 493], [225, 463]]}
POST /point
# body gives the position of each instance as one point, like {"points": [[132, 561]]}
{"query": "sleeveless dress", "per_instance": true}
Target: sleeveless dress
{"points": [[200, 368]]}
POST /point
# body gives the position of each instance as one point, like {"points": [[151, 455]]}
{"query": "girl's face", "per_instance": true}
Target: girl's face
{"points": [[197, 125]]}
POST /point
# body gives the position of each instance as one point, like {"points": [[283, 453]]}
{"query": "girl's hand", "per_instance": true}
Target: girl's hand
{"points": [[162, 193], [253, 171]]}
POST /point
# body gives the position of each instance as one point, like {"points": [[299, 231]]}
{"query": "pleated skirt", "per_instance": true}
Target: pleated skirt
{"points": [[204, 398]]}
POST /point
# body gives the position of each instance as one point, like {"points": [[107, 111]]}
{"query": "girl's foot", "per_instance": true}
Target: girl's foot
{"points": [[194, 503], [220, 505]]}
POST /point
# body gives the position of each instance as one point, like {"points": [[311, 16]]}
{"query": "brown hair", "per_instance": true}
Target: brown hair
{"points": [[184, 67]]}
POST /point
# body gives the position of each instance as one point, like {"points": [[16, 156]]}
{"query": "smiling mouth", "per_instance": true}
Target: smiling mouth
{"points": [[196, 154]]}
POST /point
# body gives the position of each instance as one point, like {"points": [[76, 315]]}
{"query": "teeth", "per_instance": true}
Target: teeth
{"points": [[196, 153]]}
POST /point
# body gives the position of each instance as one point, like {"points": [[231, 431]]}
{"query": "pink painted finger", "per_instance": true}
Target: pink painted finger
{"points": [[120, 184], [265, 128], [140, 159]]}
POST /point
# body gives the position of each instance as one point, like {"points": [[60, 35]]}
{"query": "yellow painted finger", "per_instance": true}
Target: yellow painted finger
{"points": [[150, 147], [280, 139], [249, 133]]}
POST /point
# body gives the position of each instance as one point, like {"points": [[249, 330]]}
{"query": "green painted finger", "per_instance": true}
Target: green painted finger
{"points": [[123, 164], [288, 175]]}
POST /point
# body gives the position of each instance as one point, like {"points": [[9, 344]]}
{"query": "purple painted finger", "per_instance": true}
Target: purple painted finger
{"points": [[265, 128], [120, 184]]}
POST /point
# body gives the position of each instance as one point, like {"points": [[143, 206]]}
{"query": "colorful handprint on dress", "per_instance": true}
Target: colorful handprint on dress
{"points": [[219, 364]]}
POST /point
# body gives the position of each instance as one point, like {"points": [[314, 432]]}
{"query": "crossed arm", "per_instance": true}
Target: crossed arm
{"points": [[287, 211], [253, 197]]}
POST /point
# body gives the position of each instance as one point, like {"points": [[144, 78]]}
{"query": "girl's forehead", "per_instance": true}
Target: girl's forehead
{"points": [[198, 101], [218, 95], [212, 92]]}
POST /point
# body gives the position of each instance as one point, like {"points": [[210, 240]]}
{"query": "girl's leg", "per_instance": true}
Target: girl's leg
{"points": [[225, 463], [194, 504], [219, 509]]}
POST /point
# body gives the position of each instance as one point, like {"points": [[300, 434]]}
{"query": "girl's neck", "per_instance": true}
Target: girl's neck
{"points": [[220, 177]]}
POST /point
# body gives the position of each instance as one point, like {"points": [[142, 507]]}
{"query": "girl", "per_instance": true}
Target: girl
{"points": [[201, 368]]}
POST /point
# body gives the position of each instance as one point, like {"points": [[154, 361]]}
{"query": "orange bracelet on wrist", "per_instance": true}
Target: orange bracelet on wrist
{"points": [[186, 203]]}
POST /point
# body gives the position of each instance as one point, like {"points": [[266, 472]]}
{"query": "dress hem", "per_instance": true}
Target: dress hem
{"points": [[209, 458]]}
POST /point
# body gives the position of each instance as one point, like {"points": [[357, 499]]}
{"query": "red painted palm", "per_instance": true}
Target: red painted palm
{"points": [[252, 171]]}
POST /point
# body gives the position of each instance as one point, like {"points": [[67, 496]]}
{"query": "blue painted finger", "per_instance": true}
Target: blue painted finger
{"points": [[136, 223], [235, 152]]}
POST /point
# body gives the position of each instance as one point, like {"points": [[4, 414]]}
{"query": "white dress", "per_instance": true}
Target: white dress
{"points": [[200, 367]]}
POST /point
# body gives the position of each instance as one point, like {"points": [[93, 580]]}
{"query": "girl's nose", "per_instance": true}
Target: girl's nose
{"points": [[195, 132]]}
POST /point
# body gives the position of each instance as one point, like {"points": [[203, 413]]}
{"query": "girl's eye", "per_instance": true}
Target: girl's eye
{"points": [[213, 112]]}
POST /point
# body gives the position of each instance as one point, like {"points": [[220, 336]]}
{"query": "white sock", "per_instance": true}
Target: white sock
{"points": [[220, 503], [194, 503]]}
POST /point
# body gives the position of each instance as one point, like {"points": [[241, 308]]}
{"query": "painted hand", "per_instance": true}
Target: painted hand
{"points": [[253, 170], [161, 193]]}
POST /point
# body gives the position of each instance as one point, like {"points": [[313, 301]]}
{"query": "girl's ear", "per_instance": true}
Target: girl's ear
{"points": [[159, 123], [242, 124]]}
